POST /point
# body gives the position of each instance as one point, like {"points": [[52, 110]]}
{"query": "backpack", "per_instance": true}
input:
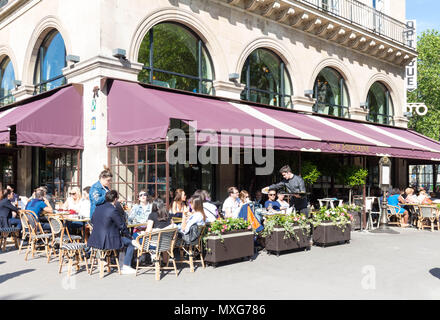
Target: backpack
{"points": [[193, 235]]}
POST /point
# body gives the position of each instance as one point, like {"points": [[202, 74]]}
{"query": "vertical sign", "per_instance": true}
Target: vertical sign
{"points": [[411, 68]]}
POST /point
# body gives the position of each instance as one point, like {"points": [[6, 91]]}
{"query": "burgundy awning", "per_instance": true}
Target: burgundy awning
{"points": [[138, 114], [55, 120]]}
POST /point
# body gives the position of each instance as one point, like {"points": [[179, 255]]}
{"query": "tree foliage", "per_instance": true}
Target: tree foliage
{"points": [[428, 92]]}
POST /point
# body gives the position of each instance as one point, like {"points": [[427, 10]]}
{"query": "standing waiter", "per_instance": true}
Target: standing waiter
{"points": [[294, 184]]}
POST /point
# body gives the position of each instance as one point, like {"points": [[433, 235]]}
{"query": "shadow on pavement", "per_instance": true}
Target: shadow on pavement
{"points": [[8, 276], [15, 297], [435, 272]]}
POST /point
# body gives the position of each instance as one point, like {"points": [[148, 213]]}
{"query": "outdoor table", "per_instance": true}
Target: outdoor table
{"points": [[331, 202]]}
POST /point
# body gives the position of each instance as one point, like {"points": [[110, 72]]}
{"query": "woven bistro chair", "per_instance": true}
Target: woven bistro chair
{"points": [[37, 237], [60, 235], [156, 243], [105, 259], [7, 232], [73, 251], [392, 212], [25, 231], [192, 250], [427, 213]]}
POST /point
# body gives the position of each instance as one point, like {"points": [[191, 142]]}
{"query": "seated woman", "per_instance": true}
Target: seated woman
{"points": [[423, 197], [197, 216], [209, 208], [141, 211], [179, 204], [157, 219], [284, 205], [410, 196], [393, 200], [73, 201], [84, 206]]}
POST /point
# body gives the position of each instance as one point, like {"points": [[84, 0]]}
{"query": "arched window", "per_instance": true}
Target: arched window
{"points": [[7, 79], [331, 93], [266, 79], [175, 57], [380, 104], [50, 62]]}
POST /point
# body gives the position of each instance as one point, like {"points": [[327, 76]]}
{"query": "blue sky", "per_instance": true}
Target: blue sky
{"points": [[426, 12]]}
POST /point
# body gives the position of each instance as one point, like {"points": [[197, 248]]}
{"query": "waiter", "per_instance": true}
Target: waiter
{"points": [[295, 185]]}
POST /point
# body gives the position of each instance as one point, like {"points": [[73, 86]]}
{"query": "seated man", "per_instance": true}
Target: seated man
{"points": [[38, 206], [110, 231], [272, 202]]}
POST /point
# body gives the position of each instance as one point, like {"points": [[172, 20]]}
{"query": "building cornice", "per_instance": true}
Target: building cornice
{"points": [[305, 18]]}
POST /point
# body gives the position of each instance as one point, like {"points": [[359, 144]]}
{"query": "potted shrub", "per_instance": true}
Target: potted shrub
{"points": [[228, 239], [286, 232], [356, 212], [331, 226]]}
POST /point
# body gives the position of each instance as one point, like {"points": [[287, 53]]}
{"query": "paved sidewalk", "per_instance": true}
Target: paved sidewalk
{"points": [[372, 266]]}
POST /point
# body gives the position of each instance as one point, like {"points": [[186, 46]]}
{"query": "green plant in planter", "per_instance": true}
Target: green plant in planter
{"points": [[310, 173], [286, 221], [352, 207], [339, 216], [354, 176], [221, 226]]}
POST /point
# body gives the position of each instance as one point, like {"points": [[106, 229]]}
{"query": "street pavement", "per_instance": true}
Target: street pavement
{"points": [[371, 266]]}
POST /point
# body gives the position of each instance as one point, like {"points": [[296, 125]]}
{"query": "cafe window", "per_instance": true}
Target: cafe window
{"points": [[7, 169], [422, 176], [7, 79], [175, 57], [51, 60], [58, 169], [137, 168], [331, 93], [266, 79], [380, 104]]}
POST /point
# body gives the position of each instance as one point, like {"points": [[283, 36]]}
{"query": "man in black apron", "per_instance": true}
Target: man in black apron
{"points": [[295, 185]]}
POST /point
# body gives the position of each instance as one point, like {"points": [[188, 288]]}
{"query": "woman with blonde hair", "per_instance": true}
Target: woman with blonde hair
{"points": [[73, 201]]}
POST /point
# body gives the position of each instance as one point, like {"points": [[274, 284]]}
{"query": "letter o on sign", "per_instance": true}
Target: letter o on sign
{"points": [[422, 110]]}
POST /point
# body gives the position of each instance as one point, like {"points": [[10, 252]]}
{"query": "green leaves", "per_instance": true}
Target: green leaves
{"points": [[428, 78], [310, 172]]}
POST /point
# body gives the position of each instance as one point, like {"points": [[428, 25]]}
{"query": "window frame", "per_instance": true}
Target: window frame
{"points": [[200, 46], [389, 117], [9, 98]]}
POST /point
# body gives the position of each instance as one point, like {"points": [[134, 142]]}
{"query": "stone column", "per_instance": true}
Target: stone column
{"points": [[89, 73], [228, 89], [23, 92], [358, 113], [303, 104]]}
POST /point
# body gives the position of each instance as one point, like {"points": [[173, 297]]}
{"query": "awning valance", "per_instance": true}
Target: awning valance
{"points": [[138, 114], [55, 120]]}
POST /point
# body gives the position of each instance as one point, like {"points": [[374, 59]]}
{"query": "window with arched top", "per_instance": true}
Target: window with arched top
{"points": [[266, 79], [331, 93], [51, 60], [7, 81], [175, 57], [380, 104]]}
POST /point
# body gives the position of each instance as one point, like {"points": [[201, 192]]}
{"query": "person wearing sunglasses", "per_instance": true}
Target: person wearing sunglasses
{"points": [[140, 212], [294, 185], [231, 206], [272, 203], [73, 201]]}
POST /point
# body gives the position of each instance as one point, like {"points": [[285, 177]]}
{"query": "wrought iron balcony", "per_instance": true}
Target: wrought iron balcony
{"points": [[346, 22], [364, 16]]}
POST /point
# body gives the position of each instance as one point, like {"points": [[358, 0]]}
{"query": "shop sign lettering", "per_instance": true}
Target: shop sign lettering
{"points": [[349, 147]]}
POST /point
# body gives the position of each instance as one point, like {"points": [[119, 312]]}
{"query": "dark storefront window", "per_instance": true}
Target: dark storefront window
{"points": [[138, 168], [50, 63], [6, 169], [58, 169], [331, 93], [175, 57], [266, 79]]}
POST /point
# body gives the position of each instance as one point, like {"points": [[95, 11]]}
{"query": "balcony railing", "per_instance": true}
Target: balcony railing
{"points": [[364, 16]]}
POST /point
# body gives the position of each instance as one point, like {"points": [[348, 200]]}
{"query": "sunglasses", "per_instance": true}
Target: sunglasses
{"points": [[272, 194], [142, 194], [72, 193]]}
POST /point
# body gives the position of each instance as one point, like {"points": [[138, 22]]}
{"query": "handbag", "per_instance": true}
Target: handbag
{"points": [[192, 236]]}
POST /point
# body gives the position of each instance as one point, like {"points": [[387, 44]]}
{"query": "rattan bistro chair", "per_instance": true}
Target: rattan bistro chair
{"points": [[37, 237], [392, 212], [73, 251], [156, 243], [192, 250], [427, 213], [7, 232], [105, 259], [60, 235]]}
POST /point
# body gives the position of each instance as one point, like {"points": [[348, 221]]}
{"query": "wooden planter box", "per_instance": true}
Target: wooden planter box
{"points": [[356, 223], [276, 242], [235, 245], [329, 233]]}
